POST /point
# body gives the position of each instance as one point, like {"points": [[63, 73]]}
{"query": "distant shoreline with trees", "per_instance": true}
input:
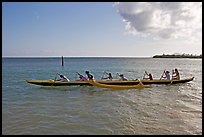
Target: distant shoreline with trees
{"points": [[177, 56]]}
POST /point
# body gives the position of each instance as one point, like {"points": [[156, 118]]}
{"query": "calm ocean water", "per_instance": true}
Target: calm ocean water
{"points": [[162, 109]]}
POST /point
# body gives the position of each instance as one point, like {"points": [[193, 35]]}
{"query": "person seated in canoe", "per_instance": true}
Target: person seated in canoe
{"points": [[175, 74], [110, 77], [122, 77], [81, 77], [89, 75], [166, 76], [63, 78], [149, 76]]}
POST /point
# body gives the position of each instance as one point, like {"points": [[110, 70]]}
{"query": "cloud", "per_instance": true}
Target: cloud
{"points": [[162, 19]]}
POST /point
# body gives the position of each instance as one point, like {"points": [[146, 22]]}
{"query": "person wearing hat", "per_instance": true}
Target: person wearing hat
{"points": [[90, 76]]}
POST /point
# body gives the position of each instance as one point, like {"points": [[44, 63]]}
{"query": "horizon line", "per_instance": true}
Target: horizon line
{"points": [[77, 56]]}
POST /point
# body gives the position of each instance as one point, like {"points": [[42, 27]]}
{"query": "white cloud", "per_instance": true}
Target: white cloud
{"points": [[162, 19]]}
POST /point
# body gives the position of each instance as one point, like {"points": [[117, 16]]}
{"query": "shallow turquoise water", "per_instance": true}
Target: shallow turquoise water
{"points": [[163, 109]]}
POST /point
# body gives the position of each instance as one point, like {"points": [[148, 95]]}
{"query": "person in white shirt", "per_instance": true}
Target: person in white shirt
{"points": [[63, 78], [122, 77], [167, 75]]}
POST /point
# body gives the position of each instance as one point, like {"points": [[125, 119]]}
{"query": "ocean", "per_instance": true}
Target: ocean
{"points": [[86, 110]]}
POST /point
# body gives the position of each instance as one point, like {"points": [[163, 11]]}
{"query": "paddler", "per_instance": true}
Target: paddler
{"points": [[89, 75], [149, 76], [122, 77], [63, 78], [167, 75], [81, 77], [110, 77], [175, 74]]}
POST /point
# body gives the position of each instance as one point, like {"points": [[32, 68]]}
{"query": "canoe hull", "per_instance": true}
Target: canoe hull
{"points": [[146, 82], [114, 82], [57, 83]]}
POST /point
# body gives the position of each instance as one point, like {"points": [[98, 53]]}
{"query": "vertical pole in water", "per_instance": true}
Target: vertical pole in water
{"points": [[62, 61]]}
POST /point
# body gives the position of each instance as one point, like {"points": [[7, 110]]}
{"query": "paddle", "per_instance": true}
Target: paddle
{"points": [[55, 78], [143, 76], [106, 74], [81, 77], [172, 76], [103, 75], [77, 74], [117, 74], [162, 74], [145, 73]]}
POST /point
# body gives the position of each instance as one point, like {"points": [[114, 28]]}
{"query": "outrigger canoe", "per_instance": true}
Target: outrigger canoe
{"points": [[140, 85], [113, 82]]}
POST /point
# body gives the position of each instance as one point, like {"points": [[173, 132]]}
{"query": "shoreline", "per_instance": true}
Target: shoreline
{"points": [[177, 56]]}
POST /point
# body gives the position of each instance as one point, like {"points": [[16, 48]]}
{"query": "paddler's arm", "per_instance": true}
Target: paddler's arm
{"points": [[163, 75], [79, 74], [146, 73]]}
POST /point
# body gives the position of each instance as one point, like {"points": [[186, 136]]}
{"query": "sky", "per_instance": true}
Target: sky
{"points": [[101, 29]]}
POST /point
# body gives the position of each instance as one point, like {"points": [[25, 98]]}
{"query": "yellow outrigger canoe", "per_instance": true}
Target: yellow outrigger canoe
{"points": [[140, 85], [107, 82]]}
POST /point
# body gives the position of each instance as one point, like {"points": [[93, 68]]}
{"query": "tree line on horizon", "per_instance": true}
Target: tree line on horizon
{"points": [[184, 55]]}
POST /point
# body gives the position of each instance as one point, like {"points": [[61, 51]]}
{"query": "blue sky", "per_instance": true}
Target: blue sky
{"points": [[97, 29]]}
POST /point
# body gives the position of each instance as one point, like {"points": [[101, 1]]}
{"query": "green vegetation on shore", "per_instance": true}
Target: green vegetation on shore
{"points": [[177, 56]]}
